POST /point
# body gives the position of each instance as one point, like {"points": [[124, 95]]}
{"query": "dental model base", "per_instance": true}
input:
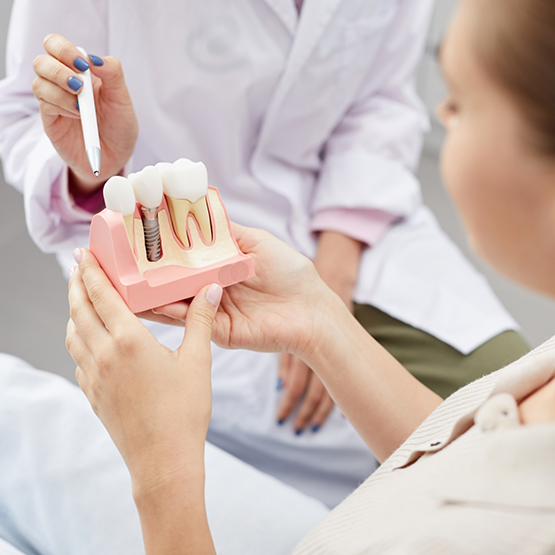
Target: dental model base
{"points": [[192, 238]]}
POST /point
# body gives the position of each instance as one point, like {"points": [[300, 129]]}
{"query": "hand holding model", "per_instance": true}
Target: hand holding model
{"points": [[56, 88], [146, 395]]}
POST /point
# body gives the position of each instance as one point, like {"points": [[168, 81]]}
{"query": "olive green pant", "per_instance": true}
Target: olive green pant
{"points": [[438, 365]]}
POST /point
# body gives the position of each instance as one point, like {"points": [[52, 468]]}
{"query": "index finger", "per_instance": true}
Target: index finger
{"points": [[107, 302], [66, 52]]}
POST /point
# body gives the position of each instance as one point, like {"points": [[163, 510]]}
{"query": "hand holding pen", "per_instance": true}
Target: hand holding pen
{"points": [[60, 79]]}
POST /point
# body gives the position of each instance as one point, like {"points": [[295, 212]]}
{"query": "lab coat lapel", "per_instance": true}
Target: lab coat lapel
{"points": [[315, 17], [286, 11]]}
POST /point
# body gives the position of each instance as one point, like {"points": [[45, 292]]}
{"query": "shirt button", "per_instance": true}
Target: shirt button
{"points": [[500, 411]]}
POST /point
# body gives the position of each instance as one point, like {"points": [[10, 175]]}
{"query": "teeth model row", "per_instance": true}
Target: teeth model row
{"points": [[185, 185]]}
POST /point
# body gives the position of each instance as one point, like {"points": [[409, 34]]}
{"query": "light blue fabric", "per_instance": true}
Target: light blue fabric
{"points": [[64, 488]]}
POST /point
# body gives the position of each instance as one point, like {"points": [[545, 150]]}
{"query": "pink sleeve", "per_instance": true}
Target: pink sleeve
{"points": [[363, 224]]}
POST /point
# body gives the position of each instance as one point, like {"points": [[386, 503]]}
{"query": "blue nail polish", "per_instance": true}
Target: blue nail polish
{"points": [[279, 384], [77, 105], [281, 421], [315, 428], [298, 432], [81, 64], [75, 83], [96, 60]]}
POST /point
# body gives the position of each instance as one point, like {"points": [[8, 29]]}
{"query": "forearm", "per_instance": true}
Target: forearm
{"points": [[383, 401], [173, 515], [337, 261]]}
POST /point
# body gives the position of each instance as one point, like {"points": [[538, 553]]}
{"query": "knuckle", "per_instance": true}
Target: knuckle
{"points": [[102, 360], [56, 72], [123, 341], [69, 341], [74, 312], [35, 86], [37, 63], [96, 293], [295, 391], [204, 318], [313, 397]]}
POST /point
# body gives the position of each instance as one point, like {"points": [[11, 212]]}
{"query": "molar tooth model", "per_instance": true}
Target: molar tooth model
{"points": [[168, 246]]}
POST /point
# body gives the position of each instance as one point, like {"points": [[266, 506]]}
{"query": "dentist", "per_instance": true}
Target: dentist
{"points": [[306, 115]]}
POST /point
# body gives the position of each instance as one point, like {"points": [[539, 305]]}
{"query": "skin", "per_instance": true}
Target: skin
{"points": [[337, 261], [504, 191], [497, 184], [338, 255], [117, 124]]}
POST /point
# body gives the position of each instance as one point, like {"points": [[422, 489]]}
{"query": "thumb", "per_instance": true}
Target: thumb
{"points": [[109, 69], [200, 318]]}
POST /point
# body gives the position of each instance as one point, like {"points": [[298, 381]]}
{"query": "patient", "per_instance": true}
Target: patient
{"points": [[472, 474]]}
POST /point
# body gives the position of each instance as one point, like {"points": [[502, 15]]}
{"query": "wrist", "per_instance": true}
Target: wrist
{"points": [[329, 320], [80, 185], [337, 260], [155, 482]]}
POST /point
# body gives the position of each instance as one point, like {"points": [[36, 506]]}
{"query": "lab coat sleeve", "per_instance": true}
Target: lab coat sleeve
{"points": [[372, 153], [364, 225], [30, 162]]}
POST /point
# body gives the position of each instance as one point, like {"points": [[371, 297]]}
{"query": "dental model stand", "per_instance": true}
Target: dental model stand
{"points": [[192, 232]]}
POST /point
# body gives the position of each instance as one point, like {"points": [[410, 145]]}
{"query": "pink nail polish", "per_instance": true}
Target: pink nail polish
{"points": [[77, 255], [214, 294], [72, 270]]}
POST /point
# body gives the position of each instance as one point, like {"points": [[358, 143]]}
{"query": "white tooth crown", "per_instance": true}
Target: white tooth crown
{"points": [[185, 179], [161, 165], [148, 188], [119, 195]]}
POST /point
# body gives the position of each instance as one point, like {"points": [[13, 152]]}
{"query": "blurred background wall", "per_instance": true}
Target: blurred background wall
{"points": [[33, 304]]}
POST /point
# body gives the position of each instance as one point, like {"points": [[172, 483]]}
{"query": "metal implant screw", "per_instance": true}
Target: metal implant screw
{"points": [[152, 234]]}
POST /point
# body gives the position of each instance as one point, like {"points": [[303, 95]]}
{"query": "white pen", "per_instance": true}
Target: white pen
{"points": [[88, 119]]}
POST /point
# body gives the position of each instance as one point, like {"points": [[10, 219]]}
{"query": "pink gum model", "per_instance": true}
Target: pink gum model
{"points": [[169, 281]]}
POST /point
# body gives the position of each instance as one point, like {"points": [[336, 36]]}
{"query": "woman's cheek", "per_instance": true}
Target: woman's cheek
{"points": [[460, 170]]}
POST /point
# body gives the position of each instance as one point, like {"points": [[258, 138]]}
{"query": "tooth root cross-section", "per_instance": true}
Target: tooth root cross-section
{"points": [[180, 209]]}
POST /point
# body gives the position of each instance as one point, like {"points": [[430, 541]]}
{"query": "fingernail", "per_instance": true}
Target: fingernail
{"points": [[214, 294], [75, 83], [81, 64], [281, 421], [77, 255], [77, 105], [96, 60], [72, 270], [279, 384], [315, 428], [298, 431]]}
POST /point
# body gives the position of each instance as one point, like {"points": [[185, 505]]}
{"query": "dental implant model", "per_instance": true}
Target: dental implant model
{"points": [[120, 197], [168, 246], [147, 185], [186, 186]]}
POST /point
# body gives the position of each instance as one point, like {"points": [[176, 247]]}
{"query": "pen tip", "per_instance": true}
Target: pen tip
{"points": [[97, 173]]}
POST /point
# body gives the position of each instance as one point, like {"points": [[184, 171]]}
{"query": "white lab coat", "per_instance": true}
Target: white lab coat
{"points": [[291, 117]]}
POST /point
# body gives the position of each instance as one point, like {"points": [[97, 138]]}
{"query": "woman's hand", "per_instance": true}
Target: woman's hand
{"points": [[56, 87], [337, 261], [276, 311], [155, 403]]}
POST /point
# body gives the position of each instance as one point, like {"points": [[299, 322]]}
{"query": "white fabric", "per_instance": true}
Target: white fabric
{"points": [[292, 115], [458, 488], [7, 549], [65, 490]]}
